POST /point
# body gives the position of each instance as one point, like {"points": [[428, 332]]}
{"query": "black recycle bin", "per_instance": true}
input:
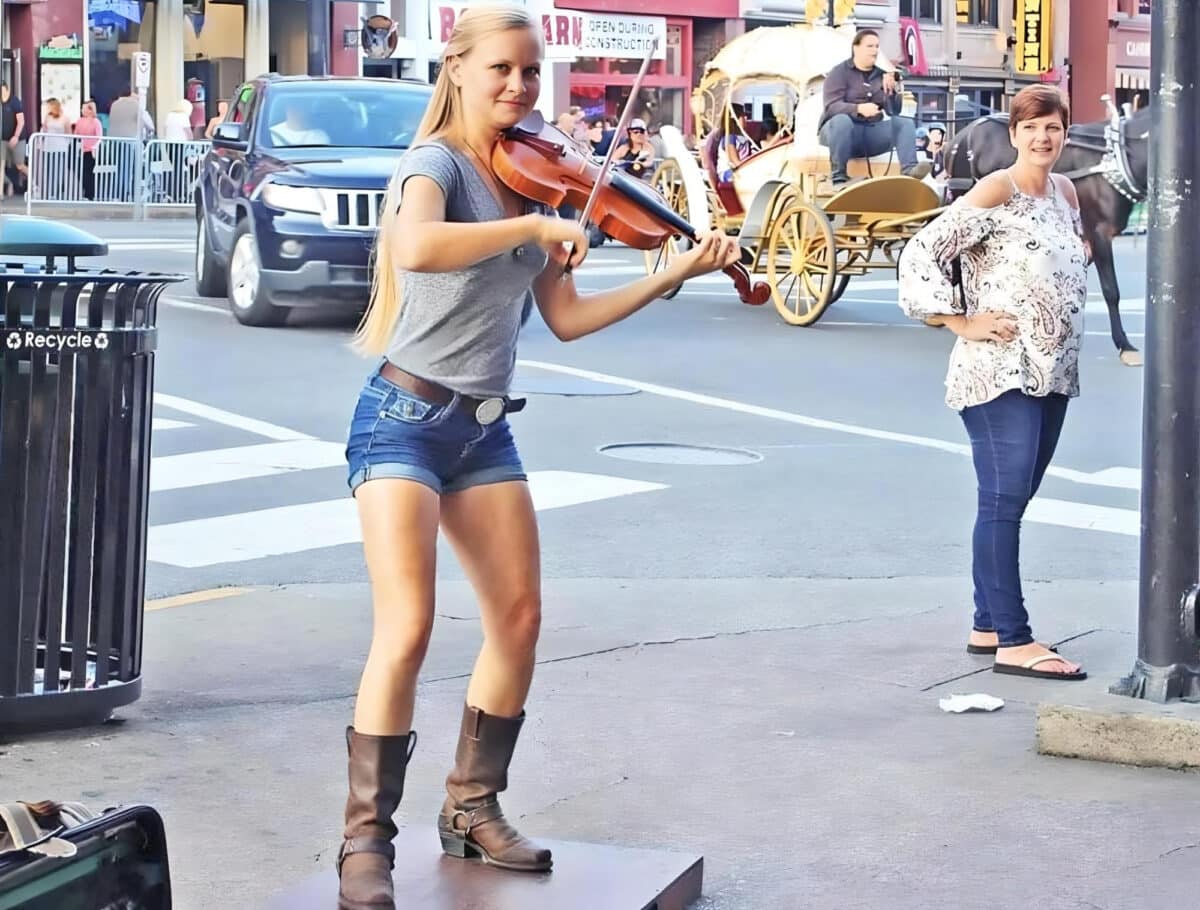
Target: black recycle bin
{"points": [[76, 388]]}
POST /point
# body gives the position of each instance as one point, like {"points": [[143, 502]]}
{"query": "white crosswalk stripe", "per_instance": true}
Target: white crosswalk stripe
{"points": [[256, 533], [329, 523]]}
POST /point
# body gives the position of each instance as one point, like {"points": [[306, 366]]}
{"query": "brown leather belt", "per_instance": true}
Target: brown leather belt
{"points": [[486, 410]]}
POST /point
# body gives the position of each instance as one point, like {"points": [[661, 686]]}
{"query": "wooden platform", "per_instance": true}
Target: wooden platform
{"points": [[585, 877]]}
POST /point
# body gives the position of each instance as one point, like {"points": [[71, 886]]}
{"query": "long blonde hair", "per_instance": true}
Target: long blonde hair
{"points": [[442, 116]]}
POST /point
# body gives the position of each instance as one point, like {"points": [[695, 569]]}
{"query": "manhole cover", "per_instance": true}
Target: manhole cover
{"points": [[674, 453]]}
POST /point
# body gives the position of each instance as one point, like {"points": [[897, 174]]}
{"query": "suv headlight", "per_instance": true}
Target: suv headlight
{"points": [[292, 198]]}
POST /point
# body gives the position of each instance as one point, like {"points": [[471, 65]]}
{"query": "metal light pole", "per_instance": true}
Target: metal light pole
{"points": [[1168, 661]]}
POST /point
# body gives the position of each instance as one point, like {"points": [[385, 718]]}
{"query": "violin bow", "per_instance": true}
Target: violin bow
{"points": [[626, 116]]}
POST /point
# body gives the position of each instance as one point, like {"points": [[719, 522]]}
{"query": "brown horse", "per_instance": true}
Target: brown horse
{"points": [[1108, 163]]}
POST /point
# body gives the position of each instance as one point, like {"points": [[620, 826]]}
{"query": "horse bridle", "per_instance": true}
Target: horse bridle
{"points": [[1114, 160]]}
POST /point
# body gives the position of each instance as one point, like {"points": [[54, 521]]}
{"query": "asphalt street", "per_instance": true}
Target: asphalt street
{"points": [[846, 461]]}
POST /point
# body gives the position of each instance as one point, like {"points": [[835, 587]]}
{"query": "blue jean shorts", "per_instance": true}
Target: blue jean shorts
{"points": [[396, 433]]}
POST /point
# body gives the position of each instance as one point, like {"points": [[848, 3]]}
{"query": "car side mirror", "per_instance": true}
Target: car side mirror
{"points": [[230, 136]]}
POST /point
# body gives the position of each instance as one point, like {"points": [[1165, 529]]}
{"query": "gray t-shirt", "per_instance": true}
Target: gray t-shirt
{"points": [[460, 328]]}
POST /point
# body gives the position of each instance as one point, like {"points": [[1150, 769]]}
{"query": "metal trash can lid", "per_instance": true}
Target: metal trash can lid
{"points": [[26, 235]]}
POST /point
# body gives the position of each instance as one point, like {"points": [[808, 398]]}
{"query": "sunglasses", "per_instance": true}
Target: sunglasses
{"points": [[636, 129]]}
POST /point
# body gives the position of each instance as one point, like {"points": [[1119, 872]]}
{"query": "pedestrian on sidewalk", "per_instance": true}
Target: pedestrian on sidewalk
{"points": [[89, 127], [458, 256], [1016, 240]]}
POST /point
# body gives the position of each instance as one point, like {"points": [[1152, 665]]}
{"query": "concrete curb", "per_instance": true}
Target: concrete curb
{"points": [[1144, 734], [100, 211]]}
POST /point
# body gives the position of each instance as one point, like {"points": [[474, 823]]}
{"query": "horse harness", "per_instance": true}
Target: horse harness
{"points": [[1114, 157]]}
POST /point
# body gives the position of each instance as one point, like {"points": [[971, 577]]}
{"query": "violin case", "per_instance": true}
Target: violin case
{"points": [[63, 856]]}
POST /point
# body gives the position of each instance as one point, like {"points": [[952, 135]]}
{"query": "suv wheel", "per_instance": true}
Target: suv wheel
{"points": [[210, 278], [246, 299]]}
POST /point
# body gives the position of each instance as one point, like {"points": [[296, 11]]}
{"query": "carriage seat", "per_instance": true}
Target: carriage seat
{"points": [[815, 164], [726, 194]]}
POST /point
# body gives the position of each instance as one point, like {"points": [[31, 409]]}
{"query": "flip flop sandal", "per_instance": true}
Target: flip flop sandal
{"points": [[989, 649], [1027, 669]]}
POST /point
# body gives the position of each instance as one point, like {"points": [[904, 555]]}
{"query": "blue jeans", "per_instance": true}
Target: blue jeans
{"points": [[395, 433], [849, 138], [1013, 438]]}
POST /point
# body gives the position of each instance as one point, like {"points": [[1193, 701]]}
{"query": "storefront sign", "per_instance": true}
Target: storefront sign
{"points": [[60, 53], [1133, 47], [572, 33], [1034, 36], [630, 37]]}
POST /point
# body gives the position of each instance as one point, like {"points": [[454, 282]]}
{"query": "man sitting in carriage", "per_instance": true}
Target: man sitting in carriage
{"points": [[857, 95]]}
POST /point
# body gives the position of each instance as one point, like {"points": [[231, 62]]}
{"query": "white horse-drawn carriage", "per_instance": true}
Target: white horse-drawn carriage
{"points": [[807, 239]]}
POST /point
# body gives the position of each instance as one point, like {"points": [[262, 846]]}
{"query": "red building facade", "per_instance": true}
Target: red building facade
{"points": [[1110, 54]]}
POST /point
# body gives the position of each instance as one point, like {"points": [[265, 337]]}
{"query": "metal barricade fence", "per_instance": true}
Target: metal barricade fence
{"points": [[172, 169], [111, 170]]}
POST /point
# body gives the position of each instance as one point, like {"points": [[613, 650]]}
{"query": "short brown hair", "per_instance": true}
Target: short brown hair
{"points": [[1038, 101], [863, 33]]}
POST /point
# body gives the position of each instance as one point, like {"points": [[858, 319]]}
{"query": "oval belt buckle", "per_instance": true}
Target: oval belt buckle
{"points": [[489, 411]]}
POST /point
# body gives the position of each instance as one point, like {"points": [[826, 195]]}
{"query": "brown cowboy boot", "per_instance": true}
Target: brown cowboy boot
{"points": [[471, 823], [377, 765]]}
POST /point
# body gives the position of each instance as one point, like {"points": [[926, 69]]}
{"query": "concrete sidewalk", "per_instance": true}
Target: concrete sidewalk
{"points": [[786, 729]]}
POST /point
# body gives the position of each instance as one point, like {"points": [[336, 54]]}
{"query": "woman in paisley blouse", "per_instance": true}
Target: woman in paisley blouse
{"points": [[1019, 320]]}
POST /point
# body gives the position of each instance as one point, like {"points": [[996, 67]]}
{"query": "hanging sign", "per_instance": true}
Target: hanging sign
{"points": [[1034, 36], [573, 33]]}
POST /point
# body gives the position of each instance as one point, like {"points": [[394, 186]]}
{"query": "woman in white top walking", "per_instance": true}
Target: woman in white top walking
{"points": [[1015, 364], [55, 164]]}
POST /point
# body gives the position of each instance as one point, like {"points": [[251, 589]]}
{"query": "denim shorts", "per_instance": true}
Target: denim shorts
{"points": [[396, 433]]}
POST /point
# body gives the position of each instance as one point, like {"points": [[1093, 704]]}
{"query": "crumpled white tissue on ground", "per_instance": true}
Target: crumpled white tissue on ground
{"points": [[957, 704]]}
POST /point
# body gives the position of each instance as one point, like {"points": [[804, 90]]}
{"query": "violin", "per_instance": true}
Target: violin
{"points": [[540, 162]]}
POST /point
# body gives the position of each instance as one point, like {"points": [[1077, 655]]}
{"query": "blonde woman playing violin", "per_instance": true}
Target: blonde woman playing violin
{"points": [[458, 255]]}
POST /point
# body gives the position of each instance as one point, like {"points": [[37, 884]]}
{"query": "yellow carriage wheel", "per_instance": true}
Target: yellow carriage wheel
{"points": [[802, 264], [668, 181]]}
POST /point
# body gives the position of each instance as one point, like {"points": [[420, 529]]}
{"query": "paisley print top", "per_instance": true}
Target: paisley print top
{"points": [[1025, 257]]}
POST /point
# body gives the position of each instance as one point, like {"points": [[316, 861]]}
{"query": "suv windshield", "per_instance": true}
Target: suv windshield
{"points": [[358, 116]]}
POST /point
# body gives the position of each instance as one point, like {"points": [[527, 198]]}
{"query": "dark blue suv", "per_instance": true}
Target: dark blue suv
{"points": [[288, 198]]}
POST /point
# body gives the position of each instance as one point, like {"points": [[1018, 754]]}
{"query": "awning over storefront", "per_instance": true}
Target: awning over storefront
{"points": [[1130, 78]]}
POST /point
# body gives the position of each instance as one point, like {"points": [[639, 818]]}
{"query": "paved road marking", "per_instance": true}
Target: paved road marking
{"points": [[196, 469], [163, 423], [124, 243], [309, 526], [191, 305], [1109, 477], [1081, 515], [216, 415], [194, 597]]}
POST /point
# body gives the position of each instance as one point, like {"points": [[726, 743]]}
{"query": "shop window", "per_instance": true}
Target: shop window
{"points": [[925, 10], [674, 61], [973, 103], [978, 12], [631, 67], [117, 28], [654, 105]]}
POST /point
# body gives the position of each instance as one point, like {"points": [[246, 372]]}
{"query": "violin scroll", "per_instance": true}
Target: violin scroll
{"points": [[750, 293]]}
